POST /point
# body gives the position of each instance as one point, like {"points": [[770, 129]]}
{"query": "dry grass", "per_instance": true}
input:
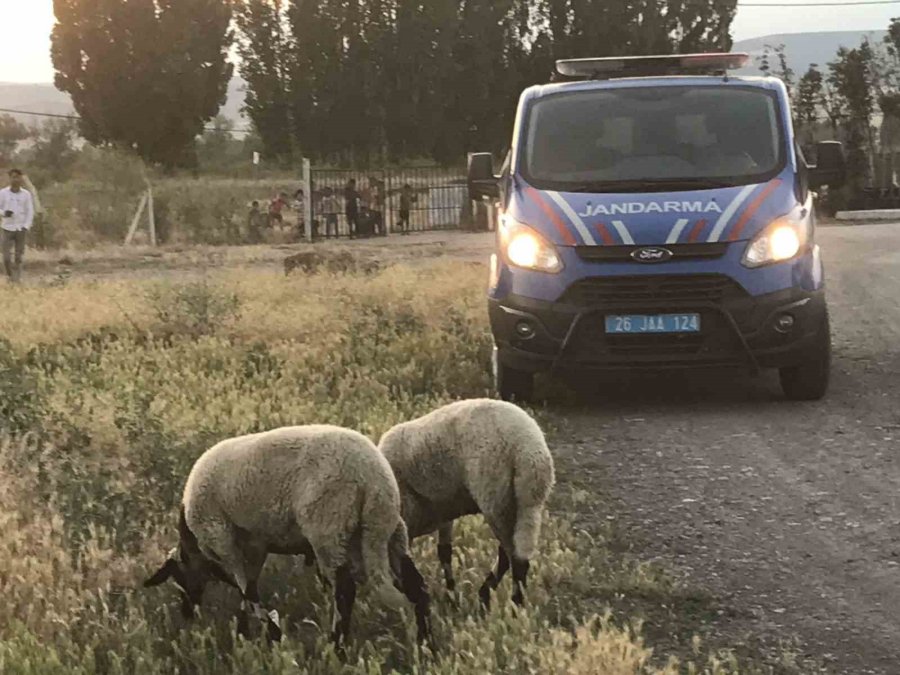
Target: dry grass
{"points": [[117, 387]]}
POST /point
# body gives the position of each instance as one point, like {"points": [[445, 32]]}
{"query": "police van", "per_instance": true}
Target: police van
{"points": [[655, 213]]}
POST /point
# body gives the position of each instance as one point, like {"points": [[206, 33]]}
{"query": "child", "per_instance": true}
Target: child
{"points": [[275, 208], [255, 223], [407, 199]]}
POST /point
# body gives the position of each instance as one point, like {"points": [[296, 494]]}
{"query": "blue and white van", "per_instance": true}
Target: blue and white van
{"points": [[657, 212]]}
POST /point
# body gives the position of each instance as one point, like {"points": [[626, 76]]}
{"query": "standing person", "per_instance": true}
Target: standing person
{"points": [[407, 199], [17, 213], [330, 208], [351, 206], [255, 223], [364, 222], [377, 205], [276, 206]]}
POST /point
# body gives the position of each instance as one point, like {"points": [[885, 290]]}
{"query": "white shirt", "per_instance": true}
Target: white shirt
{"points": [[22, 206]]}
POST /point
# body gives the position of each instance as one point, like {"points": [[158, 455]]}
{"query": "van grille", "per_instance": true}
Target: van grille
{"points": [[652, 290]]}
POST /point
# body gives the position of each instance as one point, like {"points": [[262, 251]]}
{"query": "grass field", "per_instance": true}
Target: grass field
{"points": [[110, 391]]}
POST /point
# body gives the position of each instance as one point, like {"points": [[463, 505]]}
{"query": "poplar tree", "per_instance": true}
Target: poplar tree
{"points": [[266, 48]]}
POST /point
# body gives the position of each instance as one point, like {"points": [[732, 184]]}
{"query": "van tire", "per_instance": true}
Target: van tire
{"points": [[809, 380], [514, 385]]}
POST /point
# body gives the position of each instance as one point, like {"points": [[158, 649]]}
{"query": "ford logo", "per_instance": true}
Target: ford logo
{"points": [[651, 254]]}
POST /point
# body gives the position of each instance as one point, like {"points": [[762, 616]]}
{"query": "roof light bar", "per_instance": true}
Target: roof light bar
{"points": [[643, 66]]}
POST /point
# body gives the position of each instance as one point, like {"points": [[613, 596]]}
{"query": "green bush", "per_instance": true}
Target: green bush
{"points": [[21, 405], [193, 309]]}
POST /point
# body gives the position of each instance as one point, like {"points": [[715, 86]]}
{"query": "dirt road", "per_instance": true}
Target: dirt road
{"points": [[789, 512], [144, 262]]}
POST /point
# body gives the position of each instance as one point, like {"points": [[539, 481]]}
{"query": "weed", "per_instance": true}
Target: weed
{"points": [[112, 391], [193, 309]]}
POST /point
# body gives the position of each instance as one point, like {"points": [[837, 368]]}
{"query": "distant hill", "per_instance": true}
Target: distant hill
{"points": [[46, 99], [804, 49]]}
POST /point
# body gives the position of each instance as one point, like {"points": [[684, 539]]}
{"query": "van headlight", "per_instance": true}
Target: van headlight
{"points": [[780, 241], [524, 247]]}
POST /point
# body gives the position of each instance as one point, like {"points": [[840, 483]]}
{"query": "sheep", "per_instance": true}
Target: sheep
{"points": [[321, 491], [476, 456]]}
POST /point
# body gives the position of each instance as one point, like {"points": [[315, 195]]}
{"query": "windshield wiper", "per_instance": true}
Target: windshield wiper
{"points": [[649, 185]]}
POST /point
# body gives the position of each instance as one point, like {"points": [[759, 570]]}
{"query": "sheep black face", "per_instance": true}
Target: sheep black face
{"points": [[188, 568], [189, 575]]}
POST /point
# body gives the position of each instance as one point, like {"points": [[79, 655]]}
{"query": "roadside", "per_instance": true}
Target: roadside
{"points": [[145, 261], [787, 513]]}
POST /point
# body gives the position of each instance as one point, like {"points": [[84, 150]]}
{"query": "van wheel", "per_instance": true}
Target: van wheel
{"points": [[809, 380], [514, 385]]}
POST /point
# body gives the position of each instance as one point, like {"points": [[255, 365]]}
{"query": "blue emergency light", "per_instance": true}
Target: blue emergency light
{"points": [[646, 66]]}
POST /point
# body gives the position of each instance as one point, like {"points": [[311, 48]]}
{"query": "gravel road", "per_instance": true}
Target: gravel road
{"points": [[789, 512]]}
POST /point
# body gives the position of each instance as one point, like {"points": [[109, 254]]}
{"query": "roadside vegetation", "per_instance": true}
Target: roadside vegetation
{"points": [[110, 390]]}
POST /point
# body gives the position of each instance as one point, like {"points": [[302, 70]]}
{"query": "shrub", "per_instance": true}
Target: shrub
{"points": [[193, 309], [21, 406]]}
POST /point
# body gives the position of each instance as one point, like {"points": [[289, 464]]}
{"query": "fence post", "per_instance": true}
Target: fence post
{"points": [[151, 217], [136, 219], [388, 214], [308, 199]]}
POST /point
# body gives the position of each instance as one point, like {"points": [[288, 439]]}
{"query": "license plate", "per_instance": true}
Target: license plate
{"points": [[653, 323]]}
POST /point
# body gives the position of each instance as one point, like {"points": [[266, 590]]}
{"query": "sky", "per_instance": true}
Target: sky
{"points": [[25, 46]]}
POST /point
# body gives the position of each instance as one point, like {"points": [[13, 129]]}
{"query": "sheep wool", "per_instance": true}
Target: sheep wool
{"points": [[320, 491], [475, 456], [296, 485]]}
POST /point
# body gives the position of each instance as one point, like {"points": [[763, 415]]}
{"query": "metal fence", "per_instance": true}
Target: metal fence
{"points": [[417, 199]]}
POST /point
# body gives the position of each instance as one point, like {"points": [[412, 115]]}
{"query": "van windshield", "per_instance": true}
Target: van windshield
{"points": [[653, 139]]}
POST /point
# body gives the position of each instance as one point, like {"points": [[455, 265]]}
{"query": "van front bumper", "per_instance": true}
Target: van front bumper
{"points": [[737, 329]]}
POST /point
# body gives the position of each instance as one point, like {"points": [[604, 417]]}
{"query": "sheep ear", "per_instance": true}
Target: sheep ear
{"points": [[163, 573]]}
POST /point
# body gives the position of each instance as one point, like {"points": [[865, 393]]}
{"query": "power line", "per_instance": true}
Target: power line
{"points": [[848, 3], [76, 118]]}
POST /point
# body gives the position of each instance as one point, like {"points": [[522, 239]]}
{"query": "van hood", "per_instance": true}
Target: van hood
{"points": [[656, 218]]}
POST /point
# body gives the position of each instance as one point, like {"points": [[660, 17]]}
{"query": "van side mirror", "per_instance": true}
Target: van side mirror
{"points": [[831, 166], [482, 181]]}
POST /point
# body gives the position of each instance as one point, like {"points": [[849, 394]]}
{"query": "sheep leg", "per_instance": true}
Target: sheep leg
{"points": [[344, 597], [254, 560], [335, 573], [520, 580], [227, 554], [411, 582], [445, 554], [494, 578], [252, 606], [413, 587]]}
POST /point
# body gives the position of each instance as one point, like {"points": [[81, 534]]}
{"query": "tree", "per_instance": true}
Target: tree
{"points": [[218, 147], [852, 80], [887, 66], [355, 80], [11, 132], [808, 101], [773, 61], [53, 155], [144, 74], [266, 48], [582, 28]]}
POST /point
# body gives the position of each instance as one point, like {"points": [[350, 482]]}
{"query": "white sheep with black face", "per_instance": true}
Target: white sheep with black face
{"points": [[321, 491], [476, 456]]}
